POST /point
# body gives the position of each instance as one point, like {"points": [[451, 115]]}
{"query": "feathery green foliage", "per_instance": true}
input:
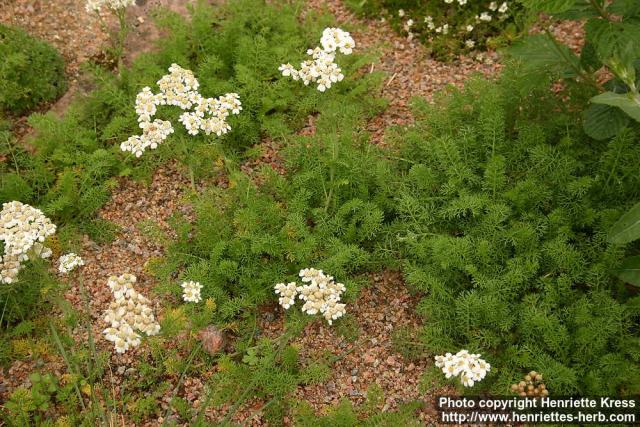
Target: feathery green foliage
{"points": [[505, 213]]}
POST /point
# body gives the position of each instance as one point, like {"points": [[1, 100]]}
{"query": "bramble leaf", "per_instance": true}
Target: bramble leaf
{"points": [[629, 271], [625, 102], [627, 228], [604, 121]]}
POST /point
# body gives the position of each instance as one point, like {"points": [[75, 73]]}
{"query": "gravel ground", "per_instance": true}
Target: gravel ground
{"points": [[380, 309]]}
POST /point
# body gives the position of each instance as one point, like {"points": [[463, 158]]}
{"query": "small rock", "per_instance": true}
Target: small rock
{"points": [[354, 371], [212, 339], [391, 361]]}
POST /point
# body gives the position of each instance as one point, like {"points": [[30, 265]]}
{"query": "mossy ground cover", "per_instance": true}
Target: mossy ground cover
{"points": [[495, 205]]}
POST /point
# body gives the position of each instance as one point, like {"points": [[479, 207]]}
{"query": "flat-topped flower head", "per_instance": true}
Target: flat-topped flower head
{"points": [[69, 262], [321, 69], [179, 88], [128, 314], [469, 367], [287, 294], [23, 229], [191, 291], [321, 294]]}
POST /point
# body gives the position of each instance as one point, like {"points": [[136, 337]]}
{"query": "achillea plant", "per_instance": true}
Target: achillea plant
{"points": [[191, 291], [118, 9], [321, 294], [322, 69], [23, 229], [505, 209], [470, 368], [179, 88], [69, 262], [128, 315]]}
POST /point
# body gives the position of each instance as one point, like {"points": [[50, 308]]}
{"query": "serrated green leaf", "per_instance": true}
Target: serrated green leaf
{"points": [[589, 58], [580, 10], [539, 54], [625, 102], [549, 6], [629, 271], [627, 228], [613, 39], [604, 121], [625, 8]]}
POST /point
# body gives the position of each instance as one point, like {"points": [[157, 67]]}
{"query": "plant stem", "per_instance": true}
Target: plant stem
{"points": [[121, 37], [598, 7], [578, 70]]}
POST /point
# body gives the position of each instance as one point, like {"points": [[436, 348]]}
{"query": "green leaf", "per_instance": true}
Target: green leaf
{"points": [[613, 39], [627, 228], [539, 54], [629, 271], [589, 58], [604, 121], [549, 6], [625, 8], [624, 101], [580, 10]]}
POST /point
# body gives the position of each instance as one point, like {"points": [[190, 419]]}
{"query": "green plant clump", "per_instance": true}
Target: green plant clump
{"points": [[505, 213], [31, 72]]}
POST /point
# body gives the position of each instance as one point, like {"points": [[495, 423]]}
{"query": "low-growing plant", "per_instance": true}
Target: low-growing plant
{"points": [[504, 216], [32, 71], [450, 27]]}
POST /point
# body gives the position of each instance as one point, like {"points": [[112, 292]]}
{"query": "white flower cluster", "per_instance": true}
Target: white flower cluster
{"points": [[191, 291], [179, 88], [128, 314], [23, 228], [69, 262], [96, 5], [322, 69], [470, 367], [321, 294]]}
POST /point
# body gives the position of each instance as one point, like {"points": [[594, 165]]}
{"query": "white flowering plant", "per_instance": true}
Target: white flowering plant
{"points": [[450, 27], [468, 368], [179, 88], [118, 9], [128, 315], [322, 68], [23, 230], [320, 293]]}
